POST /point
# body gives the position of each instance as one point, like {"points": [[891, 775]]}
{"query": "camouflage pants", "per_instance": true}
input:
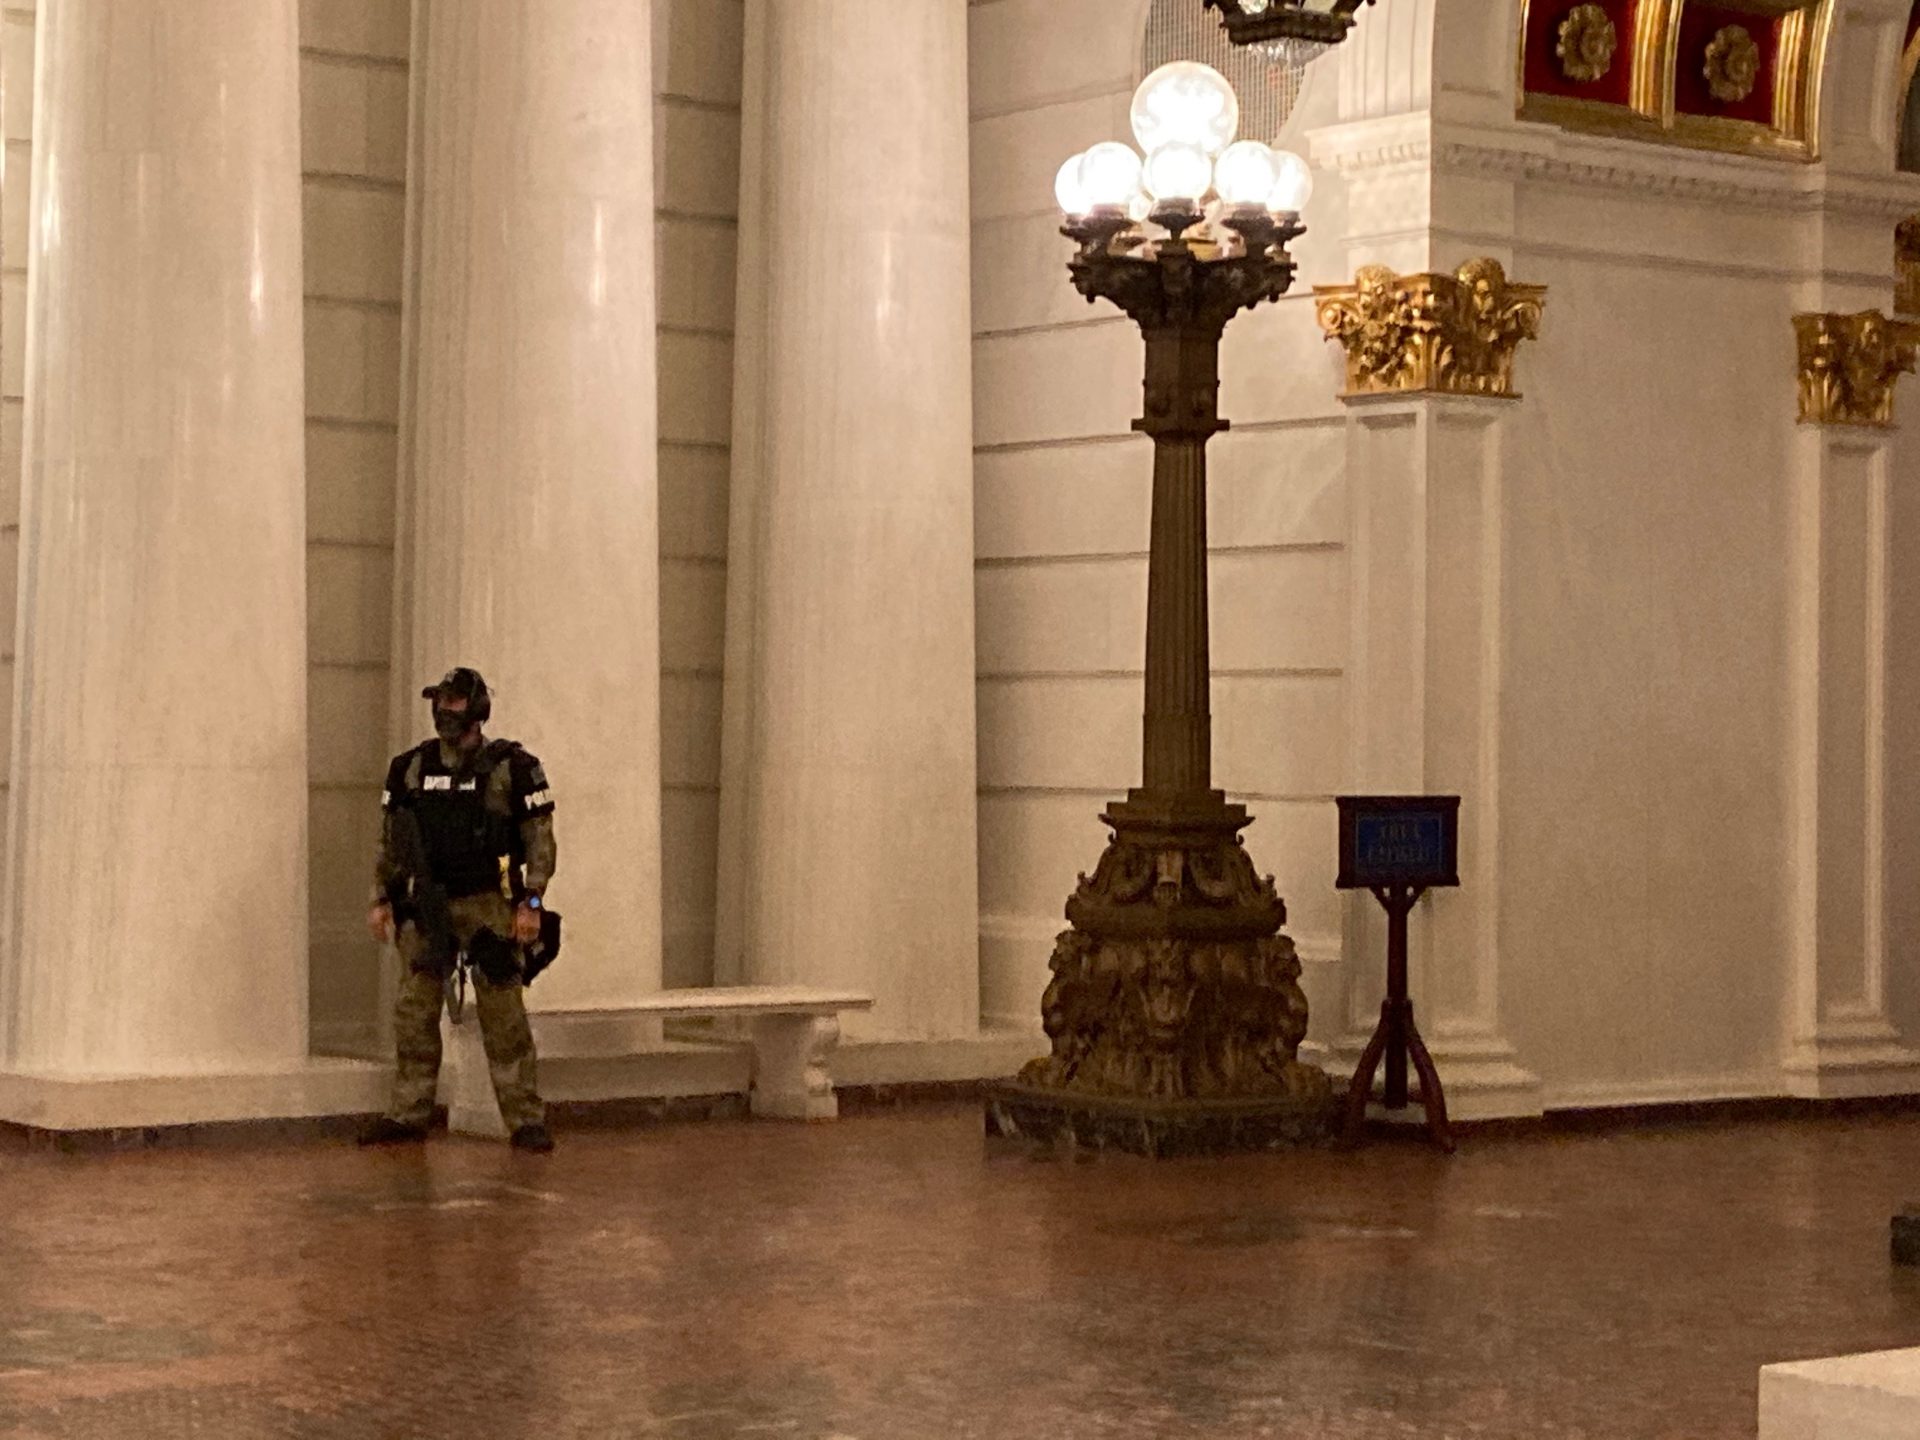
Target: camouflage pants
{"points": [[503, 1023]]}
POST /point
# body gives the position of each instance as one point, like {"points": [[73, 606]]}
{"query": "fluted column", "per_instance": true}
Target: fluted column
{"points": [[529, 485], [847, 783], [156, 886], [1177, 727]]}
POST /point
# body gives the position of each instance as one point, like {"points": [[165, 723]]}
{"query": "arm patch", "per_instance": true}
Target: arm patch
{"points": [[395, 792], [532, 795]]}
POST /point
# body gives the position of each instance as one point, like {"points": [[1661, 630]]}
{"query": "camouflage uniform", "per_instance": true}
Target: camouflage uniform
{"points": [[510, 785]]}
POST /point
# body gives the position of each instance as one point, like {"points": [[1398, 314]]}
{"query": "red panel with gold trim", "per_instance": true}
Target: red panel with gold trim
{"points": [[1724, 64], [1738, 75], [1568, 40]]}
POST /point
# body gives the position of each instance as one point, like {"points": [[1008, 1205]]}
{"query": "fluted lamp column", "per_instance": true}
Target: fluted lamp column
{"points": [[1175, 1009], [155, 957]]}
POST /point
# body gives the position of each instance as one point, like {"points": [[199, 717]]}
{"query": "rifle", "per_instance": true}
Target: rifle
{"points": [[426, 899], [428, 907]]}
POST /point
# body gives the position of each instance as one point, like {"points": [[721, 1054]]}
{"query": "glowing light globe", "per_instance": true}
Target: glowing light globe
{"points": [[1070, 190], [1246, 173], [1185, 103], [1179, 171], [1109, 174], [1292, 186]]}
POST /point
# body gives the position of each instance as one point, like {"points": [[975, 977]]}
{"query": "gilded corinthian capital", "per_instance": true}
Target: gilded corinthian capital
{"points": [[1848, 366], [1906, 267], [1448, 334]]}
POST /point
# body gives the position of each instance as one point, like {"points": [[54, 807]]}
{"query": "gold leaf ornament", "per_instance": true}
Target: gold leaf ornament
{"points": [[1906, 261], [1733, 65], [1587, 44], [1444, 334], [1849, 365]]}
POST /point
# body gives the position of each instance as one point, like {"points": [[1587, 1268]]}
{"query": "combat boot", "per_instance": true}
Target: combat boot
{"points": [[533, 1137], [385, 1130]]}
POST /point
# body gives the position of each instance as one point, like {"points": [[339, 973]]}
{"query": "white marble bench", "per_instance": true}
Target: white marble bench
{"points": [[792, 1031], [1853, 1397]]}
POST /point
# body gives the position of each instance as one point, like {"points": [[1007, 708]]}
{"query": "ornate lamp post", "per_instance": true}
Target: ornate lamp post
{"points": [[1290, 30], [1175, 1008]]}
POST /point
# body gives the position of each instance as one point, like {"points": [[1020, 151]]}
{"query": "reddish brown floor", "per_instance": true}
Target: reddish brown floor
{"points": [[891, 1278]]}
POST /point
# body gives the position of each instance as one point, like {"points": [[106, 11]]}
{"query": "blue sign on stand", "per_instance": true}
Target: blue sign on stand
{"points": [[1399, 847], [1399, 840]]}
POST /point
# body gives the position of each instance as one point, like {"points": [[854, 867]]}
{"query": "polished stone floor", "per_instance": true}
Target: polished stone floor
{"points": [[893, 1278]]}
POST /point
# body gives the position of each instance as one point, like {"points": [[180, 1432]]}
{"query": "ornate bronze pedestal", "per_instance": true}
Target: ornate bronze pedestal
{"points": [[1175, 1008]]}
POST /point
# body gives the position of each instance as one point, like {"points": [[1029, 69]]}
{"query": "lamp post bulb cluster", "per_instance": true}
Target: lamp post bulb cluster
{"points": [[1185, 117]]}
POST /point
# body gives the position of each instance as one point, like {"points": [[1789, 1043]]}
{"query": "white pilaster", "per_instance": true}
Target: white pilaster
{"points": [[847, 827], [529, 483], [1840, 1038], [156, 886], [1427, 541]]}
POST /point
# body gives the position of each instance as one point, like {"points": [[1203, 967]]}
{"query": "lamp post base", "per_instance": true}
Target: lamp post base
{"points": [[1175, 1009], [1160, 1129]]}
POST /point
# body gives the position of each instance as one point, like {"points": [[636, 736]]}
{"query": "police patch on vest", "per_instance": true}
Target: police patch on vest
{"points": [[469, 784], [436, 782], [539, 798]]}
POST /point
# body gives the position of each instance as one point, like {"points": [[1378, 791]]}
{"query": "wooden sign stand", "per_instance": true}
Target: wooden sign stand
{"points": [[1398, 847]]}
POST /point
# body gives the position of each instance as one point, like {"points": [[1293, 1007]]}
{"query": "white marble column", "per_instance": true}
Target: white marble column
{"points": [[1423, 717], [529, 509], [156, 885], [847, 784]]}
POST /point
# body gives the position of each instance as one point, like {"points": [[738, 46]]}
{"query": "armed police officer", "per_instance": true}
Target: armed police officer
{"points": [[466, 853]]}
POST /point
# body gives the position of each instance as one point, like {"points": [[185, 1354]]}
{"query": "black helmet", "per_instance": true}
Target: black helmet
{"points": [[461, 683]]}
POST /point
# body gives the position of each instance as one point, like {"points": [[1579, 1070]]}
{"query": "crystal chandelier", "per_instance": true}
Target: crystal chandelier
{"points": [[1291, 32]]}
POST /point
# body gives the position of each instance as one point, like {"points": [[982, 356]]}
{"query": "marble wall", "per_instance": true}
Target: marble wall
{"points": [[697, 67], [1650, 762], [353, 111], [1698, 830]]}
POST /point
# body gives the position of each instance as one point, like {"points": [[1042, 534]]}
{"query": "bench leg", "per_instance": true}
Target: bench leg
{"points": [[792, 1078], [466, 1084]]}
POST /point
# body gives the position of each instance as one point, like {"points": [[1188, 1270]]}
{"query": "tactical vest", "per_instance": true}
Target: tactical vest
{"points": [[466, 820]]}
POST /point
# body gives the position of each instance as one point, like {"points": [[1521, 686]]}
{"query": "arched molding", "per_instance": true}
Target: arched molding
{"points": [[1138, 12]]}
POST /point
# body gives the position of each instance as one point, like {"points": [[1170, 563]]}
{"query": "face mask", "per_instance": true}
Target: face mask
{"points": [[450, 725]]}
